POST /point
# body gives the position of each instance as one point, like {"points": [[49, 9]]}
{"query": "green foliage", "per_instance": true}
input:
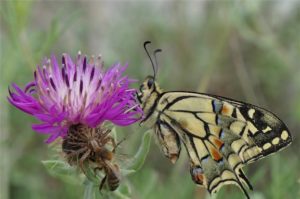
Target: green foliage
{"points": [[62, 170], [137, 161]]}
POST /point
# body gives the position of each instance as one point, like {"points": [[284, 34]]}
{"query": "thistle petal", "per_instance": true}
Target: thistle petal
{"points": [[76, 92]]}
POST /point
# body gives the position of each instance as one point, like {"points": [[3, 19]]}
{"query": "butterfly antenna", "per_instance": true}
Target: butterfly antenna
{"points": [[153, 66], [155, 59]]}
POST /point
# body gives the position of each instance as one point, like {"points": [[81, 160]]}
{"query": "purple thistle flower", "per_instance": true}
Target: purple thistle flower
{"points": [[76, 93]]}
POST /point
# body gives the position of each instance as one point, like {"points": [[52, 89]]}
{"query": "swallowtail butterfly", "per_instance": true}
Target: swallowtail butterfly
{"points": [[220, 135]]}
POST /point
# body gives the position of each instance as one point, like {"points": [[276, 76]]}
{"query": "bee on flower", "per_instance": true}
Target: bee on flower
{"points": [[73, 100]]}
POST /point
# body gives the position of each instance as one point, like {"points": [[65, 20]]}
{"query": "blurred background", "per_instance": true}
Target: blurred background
{"points": [[246, 50]]}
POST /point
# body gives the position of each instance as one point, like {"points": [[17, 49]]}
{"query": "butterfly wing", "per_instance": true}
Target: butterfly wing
{"points": [[220, 135], [264, 129]]}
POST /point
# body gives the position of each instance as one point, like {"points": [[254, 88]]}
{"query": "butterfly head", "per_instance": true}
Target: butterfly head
{"points": [[147, 88]]}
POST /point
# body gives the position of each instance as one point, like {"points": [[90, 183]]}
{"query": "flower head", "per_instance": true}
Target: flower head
{"points": [[79, 92]]}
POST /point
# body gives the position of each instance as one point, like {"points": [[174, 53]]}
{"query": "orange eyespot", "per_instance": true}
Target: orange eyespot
{"points": [[198, 178], [197, 175], [225, 109]]}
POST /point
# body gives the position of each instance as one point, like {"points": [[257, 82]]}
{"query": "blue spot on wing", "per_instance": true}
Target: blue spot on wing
{"points": [[222, 134], [221, 162], [204, 159], [217, 106]]}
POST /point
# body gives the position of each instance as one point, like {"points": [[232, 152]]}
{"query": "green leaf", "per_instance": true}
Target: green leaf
{"points": [[139, 158], [113, 133], [62, 170], [118, 194], [92, 176], [89, 190], [126, 172], [125, 188], [57, 166]]}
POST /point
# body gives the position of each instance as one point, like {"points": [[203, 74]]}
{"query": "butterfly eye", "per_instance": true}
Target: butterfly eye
{"points": [[150, 83]]}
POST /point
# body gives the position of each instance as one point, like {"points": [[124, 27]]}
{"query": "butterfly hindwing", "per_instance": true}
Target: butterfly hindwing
{"points": [[208, 159], [268, 133]]}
